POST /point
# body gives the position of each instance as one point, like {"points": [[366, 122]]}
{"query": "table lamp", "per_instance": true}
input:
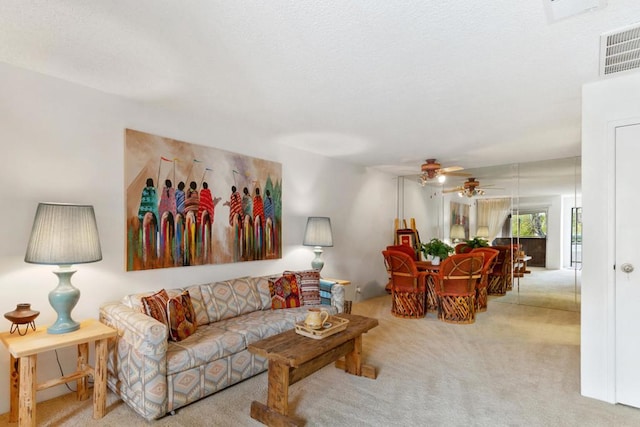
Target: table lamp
{"points": [[64, 234], [457, 232], [482, 231], [318, 234]]}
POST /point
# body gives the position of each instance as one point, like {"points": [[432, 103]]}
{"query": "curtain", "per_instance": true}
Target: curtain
{"points": [[493, 213]]}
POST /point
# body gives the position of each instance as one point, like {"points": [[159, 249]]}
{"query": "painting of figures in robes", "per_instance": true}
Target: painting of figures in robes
{"points": [[460, 215], [189, 204]]}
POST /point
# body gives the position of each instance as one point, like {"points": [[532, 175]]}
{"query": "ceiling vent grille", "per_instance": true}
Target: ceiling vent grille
{"points": [[620, 50]]}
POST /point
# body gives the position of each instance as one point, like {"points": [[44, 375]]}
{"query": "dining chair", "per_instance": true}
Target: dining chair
{"points": [[490, 257], [456, 287], [408, 285], [501, 272], [400, 248]]}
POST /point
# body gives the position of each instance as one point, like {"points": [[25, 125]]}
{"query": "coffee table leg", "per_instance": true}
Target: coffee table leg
{"points": [[353, 362], [276, 411], [353, 359], [278, 395]]}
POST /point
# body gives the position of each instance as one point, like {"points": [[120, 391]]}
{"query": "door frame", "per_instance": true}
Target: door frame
{"points": [[610, 302]]}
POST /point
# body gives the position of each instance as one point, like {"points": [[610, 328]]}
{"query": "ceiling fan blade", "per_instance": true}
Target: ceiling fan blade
{"points": [[456, 174], [451, 169], [453, 190]]}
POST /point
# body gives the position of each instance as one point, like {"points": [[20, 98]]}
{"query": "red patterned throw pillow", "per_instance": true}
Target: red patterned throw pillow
{"points": [[284, 292], [156, 305], [181, 317], [309, 285]]}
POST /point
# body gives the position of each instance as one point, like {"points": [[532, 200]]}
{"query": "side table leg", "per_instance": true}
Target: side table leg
{"points": [[82, 383], [100, 380], [27, 411], [14, 388]]}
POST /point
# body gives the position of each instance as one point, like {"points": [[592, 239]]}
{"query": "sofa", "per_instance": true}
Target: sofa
{"points": [[155, 375]]}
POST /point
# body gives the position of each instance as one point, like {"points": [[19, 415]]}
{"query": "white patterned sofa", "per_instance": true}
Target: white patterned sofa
{"points": [[156, 376]]}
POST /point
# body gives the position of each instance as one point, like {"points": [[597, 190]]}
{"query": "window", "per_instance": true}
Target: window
{"points": [[529, 224]]}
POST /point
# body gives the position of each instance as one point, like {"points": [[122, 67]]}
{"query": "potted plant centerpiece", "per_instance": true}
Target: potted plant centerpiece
{"points": [[437, 249], [477, 242]]}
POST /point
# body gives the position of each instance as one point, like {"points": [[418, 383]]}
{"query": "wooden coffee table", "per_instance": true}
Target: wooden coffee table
{"points": [[293, 357]]}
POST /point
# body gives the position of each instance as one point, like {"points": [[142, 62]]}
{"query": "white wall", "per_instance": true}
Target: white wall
{"points": [[63, 142], [604, 103]]}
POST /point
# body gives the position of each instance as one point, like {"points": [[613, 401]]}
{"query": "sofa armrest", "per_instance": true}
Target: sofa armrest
{"points": [[137, 360], [336, 292]]}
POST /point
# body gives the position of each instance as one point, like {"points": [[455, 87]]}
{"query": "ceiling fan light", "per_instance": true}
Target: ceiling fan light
{"points": [[442, 179]]}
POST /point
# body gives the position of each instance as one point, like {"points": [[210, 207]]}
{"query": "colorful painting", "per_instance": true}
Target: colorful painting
{"points": [[188, 204], [460, 215]]}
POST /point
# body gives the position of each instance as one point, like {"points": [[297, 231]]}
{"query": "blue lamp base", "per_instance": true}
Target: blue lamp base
{"points": [[63, 299], [317, 262]]}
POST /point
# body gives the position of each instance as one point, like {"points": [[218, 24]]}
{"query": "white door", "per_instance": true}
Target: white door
{"points": [[627, 255]]}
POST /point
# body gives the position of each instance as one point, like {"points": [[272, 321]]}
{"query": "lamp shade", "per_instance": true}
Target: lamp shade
{"points": [[483, 231], [318, 232], [457, 231], [64, 234]]}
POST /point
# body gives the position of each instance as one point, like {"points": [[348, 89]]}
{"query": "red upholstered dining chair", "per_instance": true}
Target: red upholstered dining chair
{"points": [[400, 248], [462, 248], [501, 273], [408, 286], [490, 257], [456, 287]]}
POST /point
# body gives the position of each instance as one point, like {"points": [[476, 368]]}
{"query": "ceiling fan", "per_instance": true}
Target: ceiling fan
{"points": [[470, 188], [433, 170]]}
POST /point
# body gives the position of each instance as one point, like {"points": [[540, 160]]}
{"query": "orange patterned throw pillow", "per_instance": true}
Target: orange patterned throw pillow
{"points": [[181, 317], [284, 292], [156, 305]]}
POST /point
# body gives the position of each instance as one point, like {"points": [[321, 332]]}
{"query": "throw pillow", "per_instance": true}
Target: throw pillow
{"points": [[309, 285], [284, 292], [156, 305], [181, 317]]}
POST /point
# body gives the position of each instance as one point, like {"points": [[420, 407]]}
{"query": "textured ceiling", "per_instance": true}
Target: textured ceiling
{"points": [[374, 82]]}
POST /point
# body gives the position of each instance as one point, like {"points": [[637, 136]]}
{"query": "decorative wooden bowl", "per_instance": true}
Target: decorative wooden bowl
{"points": [[22, 315]]}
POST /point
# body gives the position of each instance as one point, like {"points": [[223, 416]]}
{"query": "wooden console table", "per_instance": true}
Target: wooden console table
{"points": [[293, 357], [24, 351]]}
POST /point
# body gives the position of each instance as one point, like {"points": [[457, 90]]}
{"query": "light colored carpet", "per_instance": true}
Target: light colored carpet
{"points": [[516, 366], [558, 289]]}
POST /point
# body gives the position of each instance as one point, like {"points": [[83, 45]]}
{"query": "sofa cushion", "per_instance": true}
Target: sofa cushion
{"points": [[246, 294], [181, 317], [156, 305], [207, 344], [230, 298], [309, 285], [262, 287], [261, 324], [284, 292]]}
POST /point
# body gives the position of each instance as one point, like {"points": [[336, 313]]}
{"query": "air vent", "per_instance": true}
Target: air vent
{"points": [[620, 50]]}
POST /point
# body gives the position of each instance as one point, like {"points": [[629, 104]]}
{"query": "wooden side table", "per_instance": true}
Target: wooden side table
{"points": [[24, 351], [347, 303]]}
